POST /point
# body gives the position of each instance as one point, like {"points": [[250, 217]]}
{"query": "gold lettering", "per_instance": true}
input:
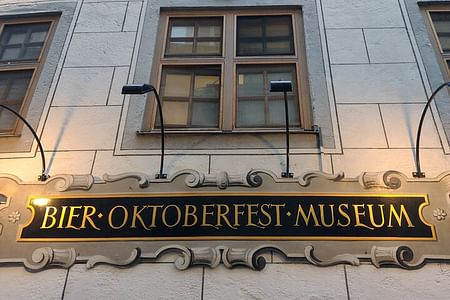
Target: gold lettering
{"points": [[252, 213], [61, 218], [188, 214], [164, 211], [50, 215], [87, 217], [237, 213], [154, 211], [223, 215], [278, 213], [372, 219], [125, 216], [137, 215], [358, 214], [311, 213], [266, 213], [344, 214], [206, 213], [393, 212], [322, 215], [71, 216]]}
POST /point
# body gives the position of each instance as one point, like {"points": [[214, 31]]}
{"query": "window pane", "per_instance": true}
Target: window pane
{"points": [[278, 47], [257, 107], [13, 88], [250, 27], [207, 86], [180, 48], [182, 31], [15, 38], [441, 20], [38, 36], [32, 52], [175, 113], [209, 31], [264, 35], [177, 85], [250, 84], [250, 113], [278, 26], [195, 36], [208, 47], [8, 54], [17, 89], [23, 41], [254, 48], [277, 113], [205, 114], [191, 96], [445, 43], [441, 23]]}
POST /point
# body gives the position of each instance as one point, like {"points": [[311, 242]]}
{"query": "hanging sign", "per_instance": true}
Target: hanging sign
{"points": [[228, 216]]}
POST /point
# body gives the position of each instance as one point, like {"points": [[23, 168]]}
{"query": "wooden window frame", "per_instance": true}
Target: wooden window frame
{"points": [[444, 57], [36, 66], [190, 99], [228, 61], [195, 39], [267, 96], [264, 39]]}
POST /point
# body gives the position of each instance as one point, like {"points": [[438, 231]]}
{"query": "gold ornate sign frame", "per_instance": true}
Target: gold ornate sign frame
{"points": [[407, 253]]}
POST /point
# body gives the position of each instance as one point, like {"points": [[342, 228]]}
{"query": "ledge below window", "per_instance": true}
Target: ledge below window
{"points": [[217, 140]]}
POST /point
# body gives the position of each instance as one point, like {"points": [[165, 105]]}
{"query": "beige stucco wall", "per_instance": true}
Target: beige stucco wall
{"points": [[376, 86]]}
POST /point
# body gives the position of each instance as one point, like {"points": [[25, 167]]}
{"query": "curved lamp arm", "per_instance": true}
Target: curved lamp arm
{"points": [[419, 173], [161, 175], [130, 89], [43, 176], [284, 86]]}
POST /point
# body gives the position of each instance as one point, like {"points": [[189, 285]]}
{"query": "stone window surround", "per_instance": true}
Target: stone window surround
{"points": [[322, 112], [65, 10], [444, 54], [34, 65], [230, 58], [431, 57]]}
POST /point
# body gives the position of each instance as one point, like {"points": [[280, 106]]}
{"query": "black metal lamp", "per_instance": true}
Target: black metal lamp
{"points": [[284, 86], [144, 88], [43, 176], [419, 173]]}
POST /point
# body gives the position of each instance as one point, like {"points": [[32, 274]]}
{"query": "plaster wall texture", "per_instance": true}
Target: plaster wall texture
{"points": [[377, 89]]}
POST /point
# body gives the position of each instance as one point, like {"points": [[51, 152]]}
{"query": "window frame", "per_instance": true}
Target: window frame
{"points": [[264, 39], [444, 57], [36, 66], [195, 40], [228, 61]]}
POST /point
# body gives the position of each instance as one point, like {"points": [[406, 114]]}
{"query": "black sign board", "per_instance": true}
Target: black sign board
{"points": [[228, 216]]}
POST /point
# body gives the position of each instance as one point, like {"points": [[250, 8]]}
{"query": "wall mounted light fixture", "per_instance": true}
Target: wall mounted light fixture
{"points": [[144, 88], [43, 176], [419, 173], [284, 86]]}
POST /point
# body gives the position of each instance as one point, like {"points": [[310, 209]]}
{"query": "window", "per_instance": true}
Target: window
{"points": [[191, 96], [265, 35], [214, 69], [440, 22], [23, 44], [189, 36]]}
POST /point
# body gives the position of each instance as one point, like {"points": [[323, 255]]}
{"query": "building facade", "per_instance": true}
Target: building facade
{"points": [[361, 73]]}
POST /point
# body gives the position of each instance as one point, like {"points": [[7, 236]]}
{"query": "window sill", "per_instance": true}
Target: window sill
{"points": [[8, 135], [213, 141], [236, 131]]}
